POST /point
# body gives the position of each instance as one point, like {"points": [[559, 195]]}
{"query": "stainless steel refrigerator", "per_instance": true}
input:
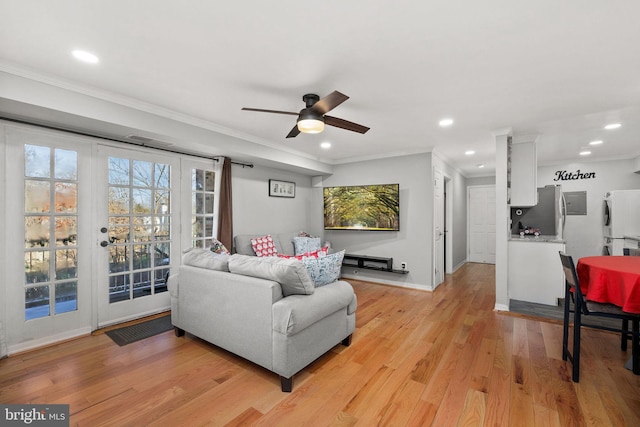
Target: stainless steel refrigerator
{"points": [[548, 215]]}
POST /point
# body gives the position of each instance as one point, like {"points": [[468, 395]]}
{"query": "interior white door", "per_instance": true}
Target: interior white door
{"points": [[438, 229], [48, 237], [138, 231], [482, 224]]}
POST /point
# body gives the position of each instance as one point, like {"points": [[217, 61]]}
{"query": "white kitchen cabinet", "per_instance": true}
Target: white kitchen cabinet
{"points": [[535, 271], [524, 174]]}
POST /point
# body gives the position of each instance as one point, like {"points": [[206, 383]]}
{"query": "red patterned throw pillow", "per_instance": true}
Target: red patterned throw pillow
{"points": [[264, 246], [322, 252]]}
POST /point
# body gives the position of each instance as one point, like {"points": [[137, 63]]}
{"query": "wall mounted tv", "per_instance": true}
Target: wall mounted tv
{"points": [[362, 207]]}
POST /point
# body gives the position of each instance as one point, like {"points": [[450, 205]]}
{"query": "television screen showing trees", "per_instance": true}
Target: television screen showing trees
{"points": [[362, 207]]}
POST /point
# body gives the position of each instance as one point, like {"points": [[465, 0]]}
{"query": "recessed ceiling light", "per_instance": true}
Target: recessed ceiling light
{"points": [[325, 145], [585, 153], [612, 126], [445, 122], [469, 152], [480, 165], [595, 142], [85, 56]]}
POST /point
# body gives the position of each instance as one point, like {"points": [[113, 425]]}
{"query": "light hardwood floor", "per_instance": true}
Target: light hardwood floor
{"points": [[417, 359]]}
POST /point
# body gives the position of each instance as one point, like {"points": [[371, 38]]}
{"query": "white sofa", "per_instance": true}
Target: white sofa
{"points": [[253, 317]]}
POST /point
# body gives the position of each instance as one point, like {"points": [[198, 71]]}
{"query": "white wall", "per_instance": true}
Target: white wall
{"points": [[255, 212], [412, 244], [583, 233]]}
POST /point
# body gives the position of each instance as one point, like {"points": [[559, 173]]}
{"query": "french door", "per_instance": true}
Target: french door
{"points": [[137, 230], [48, 284], [91, 232]]}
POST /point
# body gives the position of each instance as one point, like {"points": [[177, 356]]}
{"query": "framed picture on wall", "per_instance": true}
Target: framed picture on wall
{"points": [[282, 188]]}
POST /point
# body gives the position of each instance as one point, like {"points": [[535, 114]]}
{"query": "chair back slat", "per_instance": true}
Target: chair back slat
{"points": [[571, 276], [631, 252]]}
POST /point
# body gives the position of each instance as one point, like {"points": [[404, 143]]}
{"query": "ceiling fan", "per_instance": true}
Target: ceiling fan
{"points": [[312, 118]]}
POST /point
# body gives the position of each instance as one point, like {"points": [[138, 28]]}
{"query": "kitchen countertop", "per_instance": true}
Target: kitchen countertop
{"points": [[539, 239]]}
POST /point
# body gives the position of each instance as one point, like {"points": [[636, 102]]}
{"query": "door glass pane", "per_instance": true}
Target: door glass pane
{"points": [[66, 267], [118, 171], [162, 176], [139, 229], [36, 266], [37, 231], [66, 164], [118, 200], [37, 161], [119, 288], [36, 302], [66, 230], [142, 174], [66, 197], [66, 297], [37, 196], [46, 228]]}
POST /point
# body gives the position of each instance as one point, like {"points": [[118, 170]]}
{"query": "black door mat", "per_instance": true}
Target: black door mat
{"points": [[140, 331]]}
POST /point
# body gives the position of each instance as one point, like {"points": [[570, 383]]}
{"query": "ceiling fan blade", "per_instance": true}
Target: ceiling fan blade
{"points": [[294, 132], [329, 102], [344, 124], [260, 110]]}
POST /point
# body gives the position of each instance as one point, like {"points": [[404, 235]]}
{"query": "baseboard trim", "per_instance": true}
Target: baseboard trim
{"points": [[388, 282], [47, 341]]}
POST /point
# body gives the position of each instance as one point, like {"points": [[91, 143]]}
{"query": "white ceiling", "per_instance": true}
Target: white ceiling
{"points": [[556, 70]]}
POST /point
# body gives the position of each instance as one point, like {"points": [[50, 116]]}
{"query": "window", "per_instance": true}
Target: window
{"points": [[203, 207]]}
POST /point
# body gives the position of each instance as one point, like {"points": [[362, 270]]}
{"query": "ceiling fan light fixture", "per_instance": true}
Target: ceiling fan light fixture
{"points": [[310, 122], [310, 126]]}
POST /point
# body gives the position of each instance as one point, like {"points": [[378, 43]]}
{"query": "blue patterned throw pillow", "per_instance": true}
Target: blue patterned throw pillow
{"points": [[324, 270], [306, 244]]}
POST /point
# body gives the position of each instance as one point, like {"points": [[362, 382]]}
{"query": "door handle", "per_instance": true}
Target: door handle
{"points": [[104, 243]]}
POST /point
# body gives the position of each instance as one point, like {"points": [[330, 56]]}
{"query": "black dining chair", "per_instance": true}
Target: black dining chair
{"points": [[583, 307], [630, 252]]}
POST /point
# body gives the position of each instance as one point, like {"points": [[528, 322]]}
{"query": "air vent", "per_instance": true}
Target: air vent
{"points": [[138, 138], [148, 142]]}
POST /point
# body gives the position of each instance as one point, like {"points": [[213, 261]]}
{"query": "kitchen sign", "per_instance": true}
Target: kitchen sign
{"points": [[570, 176]]}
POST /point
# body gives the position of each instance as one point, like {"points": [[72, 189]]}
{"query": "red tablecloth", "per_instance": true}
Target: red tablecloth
{"points": [[611, 279]]}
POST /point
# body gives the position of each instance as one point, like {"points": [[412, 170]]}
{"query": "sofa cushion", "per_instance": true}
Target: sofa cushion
{"points": [[292, 315], [324, 270], [283, 243], [306, 244], [204, 258], [264, 246], [290, 273]]}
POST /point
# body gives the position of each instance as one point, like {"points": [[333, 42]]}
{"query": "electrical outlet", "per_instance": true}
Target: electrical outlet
{"points": [[403, 265]]}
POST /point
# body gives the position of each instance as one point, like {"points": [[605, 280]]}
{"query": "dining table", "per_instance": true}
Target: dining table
{"points": [[611, 279]]}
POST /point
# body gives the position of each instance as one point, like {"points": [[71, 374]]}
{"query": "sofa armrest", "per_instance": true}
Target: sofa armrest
{"points": [[297, 312]]}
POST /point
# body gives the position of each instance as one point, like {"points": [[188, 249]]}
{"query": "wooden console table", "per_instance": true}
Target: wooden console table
{"points": [[371, 263]]}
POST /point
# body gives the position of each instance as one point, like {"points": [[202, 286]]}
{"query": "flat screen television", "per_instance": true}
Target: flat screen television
{"points": [[362, 207]]}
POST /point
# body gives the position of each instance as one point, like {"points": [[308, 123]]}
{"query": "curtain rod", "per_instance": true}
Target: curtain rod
{"points": [[234, 162], [76, 132]]}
